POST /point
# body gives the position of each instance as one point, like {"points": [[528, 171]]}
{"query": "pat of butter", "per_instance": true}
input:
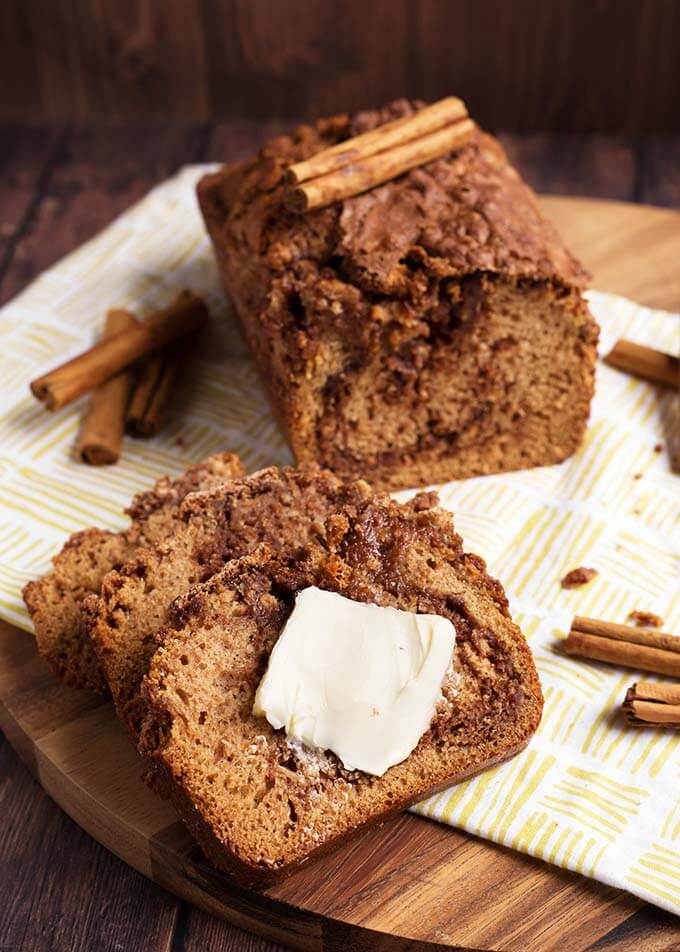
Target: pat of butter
{"points": [[357, 679]]}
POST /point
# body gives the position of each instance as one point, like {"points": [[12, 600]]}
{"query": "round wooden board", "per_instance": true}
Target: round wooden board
{"points": [[413, 884]]}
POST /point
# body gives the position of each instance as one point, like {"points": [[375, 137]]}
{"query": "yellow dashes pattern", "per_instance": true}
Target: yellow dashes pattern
{"points": [[659, 871], [588, 794]]}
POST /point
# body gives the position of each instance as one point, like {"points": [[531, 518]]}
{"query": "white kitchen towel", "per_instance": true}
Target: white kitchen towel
{"points": [[590, 793]]}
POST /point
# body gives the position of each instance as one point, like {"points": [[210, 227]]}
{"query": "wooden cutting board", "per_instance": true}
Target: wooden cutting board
{"points": [[413, 884]]}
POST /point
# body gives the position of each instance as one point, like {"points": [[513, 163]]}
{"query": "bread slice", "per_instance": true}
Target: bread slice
{"points": [[286, 508], [54, 601], [258, 804]]}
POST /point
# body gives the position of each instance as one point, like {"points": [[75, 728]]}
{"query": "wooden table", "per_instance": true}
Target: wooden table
{"points": [[59, 185]]}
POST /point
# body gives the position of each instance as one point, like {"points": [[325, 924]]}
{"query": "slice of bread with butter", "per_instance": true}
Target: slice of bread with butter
{"points": [[297, 697]]}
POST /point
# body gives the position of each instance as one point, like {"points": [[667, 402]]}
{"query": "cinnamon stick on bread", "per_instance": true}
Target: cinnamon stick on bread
{"points": [[432, 328], [383, 138], [54, 601], [368, 172], [202, 736]]}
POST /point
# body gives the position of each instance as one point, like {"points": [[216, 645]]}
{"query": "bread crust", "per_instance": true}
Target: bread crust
{"points": [[254, 877]]}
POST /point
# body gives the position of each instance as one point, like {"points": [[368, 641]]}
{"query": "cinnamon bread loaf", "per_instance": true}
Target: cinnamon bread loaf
{"points": [[433, 328], [54, 601], [260, 804]]}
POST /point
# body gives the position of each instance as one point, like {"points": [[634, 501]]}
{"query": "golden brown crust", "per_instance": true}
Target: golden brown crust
{"points": [[170, 788], [469, 212]]}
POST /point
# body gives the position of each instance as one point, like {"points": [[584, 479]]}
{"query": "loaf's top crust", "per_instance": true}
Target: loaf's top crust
{"points": [[465, 213]]}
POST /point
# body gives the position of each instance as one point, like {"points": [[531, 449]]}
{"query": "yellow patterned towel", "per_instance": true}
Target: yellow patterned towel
{"points": [[589, 794]]}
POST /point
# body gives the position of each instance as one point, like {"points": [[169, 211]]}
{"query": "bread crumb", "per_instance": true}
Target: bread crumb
{"points": [[637, 476], [579, 576], [645, 619], [658, 448]]}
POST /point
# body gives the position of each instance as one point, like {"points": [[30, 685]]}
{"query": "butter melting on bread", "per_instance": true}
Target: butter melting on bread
{"points": [[259, 803]]}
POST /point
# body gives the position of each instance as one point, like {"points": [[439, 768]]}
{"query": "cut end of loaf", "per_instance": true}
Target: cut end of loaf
{"points": [[489, 372]]}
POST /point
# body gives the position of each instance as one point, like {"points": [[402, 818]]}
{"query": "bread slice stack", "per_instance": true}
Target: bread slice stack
{"points": [[54, 601], [184, 630]]}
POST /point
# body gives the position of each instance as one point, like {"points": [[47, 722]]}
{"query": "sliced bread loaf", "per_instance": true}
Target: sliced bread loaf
{"points": [[431, 328], [259, 804], [54, 601], [286, 508]]}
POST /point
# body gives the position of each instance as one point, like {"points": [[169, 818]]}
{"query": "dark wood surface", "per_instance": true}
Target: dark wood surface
{"points": [[58, 186], [564, 65]]}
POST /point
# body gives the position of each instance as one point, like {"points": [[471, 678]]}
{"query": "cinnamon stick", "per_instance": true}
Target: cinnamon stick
{"points": [[101, 435], [674, 427], [625, 646], [623, 653], [652, 705], [645, 362], [367, 173], [654, 691], [675, 453], [185, 315], [151, 394], [631, 633], [146, 383], [388, 136]]}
